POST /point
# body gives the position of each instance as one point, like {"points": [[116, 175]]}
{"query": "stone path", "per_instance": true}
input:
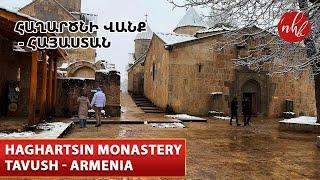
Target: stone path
{"points": [[216, 150]]}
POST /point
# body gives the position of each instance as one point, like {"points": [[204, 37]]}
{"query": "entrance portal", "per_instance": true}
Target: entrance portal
{"points": [[252, 91]]}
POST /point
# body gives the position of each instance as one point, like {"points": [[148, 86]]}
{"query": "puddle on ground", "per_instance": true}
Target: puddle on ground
{"points": [[167, 125]]}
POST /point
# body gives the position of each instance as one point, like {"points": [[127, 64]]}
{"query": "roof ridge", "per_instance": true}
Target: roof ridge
{"points": [[175, 34]]}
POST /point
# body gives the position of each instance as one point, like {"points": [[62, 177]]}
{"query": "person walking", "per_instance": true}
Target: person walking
{"points": [[246, 110], [234, 111], [84, 105], [98, 102]]}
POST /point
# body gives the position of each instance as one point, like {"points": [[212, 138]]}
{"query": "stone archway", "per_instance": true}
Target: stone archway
{"points": [[82, 69], [251, 90]]}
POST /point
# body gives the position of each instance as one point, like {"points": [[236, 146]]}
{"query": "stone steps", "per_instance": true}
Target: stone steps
{"points": [[149, 108], [146, 105], [153, 111]]}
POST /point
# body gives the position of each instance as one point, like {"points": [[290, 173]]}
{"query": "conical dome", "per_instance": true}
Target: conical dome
{"points": [[191, 19], [147, 35]]}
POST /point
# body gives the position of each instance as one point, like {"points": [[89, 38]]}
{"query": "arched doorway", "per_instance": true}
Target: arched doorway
{"points": [[251, 90]]}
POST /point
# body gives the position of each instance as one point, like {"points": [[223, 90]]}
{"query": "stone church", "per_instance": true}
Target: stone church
{"points": [[184, 70], [136, 60], [80, 62]]}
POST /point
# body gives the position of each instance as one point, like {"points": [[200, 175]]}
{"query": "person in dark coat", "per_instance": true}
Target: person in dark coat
{"points": [[234, 111], [246, 110]]}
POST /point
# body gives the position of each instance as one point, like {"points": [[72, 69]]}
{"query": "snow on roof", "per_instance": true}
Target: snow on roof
{"points": [[76, 78], [173, 38], [107, 71], [141, 59], [131, 58], [192, 18], [145, 35], [216, 29], [64, 66], [86, 16]]}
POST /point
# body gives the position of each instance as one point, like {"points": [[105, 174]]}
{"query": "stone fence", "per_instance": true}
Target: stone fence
{"points": [[69, 89]]}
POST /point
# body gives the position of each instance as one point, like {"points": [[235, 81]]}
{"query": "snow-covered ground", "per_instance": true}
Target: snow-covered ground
{"points": [[215, 112], [184, 117], [222, 117], [103, 112], [167, 125], [302, 120], [46, 130]]}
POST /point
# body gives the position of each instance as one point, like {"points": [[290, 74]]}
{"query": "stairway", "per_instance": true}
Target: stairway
{"points": [[145, 104]]}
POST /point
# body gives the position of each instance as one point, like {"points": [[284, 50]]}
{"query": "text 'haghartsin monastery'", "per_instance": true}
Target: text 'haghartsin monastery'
{"points": [[188, 71]]}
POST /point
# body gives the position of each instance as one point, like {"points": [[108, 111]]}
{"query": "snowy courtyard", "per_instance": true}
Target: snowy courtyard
{"points": [[216, 150]]}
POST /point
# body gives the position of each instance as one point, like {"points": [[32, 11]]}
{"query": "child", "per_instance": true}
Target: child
{"points": [[84, 105]]}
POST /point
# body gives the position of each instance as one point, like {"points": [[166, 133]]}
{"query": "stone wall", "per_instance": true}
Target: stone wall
{"points": [[196, 72], [69, 89], [141, 47], [196, 69], [156, 73], [136, 79], [299, 127], [188, 30], [84, 72]]}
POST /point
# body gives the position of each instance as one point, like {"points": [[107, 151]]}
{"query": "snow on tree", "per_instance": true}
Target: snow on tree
{"points": [[279, 56]]}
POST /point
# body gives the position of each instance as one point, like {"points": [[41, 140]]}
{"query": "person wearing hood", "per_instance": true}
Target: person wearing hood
{"points": [[84, 105], [98, 102]]}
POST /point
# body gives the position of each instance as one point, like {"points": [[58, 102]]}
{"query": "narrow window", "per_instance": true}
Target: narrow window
{"points": [[199, 67], [153, 71]]}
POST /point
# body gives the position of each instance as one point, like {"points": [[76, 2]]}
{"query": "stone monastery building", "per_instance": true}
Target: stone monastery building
{"points": [[186, 71], [80, 62]]}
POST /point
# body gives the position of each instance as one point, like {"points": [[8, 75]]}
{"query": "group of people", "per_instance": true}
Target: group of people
{"points": [[246, 111], [98, 103]]}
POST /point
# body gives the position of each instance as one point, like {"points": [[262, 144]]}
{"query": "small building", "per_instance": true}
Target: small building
{"points": [[190, 72], [28, 79], [80, 62], [136, 62]]}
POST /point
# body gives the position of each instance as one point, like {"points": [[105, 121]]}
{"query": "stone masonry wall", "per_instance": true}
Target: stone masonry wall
{"points": [[157, 64], [136, 79], [141, 47], [69, 89], [196, 70]]}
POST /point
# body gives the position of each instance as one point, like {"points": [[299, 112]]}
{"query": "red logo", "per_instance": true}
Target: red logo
{"points": [[294, 26]]}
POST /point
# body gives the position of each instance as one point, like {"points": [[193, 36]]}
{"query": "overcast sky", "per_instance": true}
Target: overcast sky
{"points": [[161, 18]]}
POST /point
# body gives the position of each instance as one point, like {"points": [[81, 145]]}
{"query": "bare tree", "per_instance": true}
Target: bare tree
{"points": [[282, 57]]}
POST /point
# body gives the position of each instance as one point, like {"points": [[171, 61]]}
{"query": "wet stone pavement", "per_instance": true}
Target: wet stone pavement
{"points": [[216, 150]]}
